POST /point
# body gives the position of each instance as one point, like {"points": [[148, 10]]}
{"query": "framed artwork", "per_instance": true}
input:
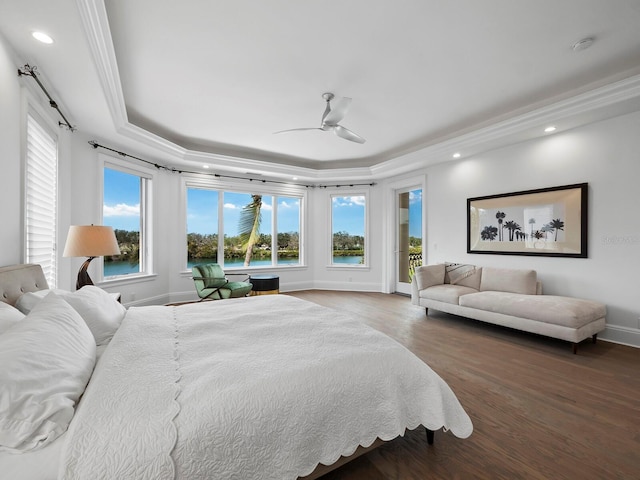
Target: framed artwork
{"points": [[549, 222]]}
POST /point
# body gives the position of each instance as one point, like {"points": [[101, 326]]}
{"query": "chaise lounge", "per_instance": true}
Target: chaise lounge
{"points": [[511, 298]]}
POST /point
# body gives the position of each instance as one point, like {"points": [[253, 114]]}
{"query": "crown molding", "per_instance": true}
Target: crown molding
{"points": [[96, 26], [615, 98]]}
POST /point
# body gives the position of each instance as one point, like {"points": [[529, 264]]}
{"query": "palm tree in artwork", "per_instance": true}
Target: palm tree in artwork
{"points": [[532, 222], [512, 227], [249, 226], [500, 215], [489, 233], [548, 228], [556, 224]]}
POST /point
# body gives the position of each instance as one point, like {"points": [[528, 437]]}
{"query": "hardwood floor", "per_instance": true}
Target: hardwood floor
{"points": [[539, 412]]}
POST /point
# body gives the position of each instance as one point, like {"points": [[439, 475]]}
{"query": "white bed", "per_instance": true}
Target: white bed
{"points": [[268, 387]]}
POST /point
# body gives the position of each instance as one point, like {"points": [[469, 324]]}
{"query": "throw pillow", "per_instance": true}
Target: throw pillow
{"points": [[101, 312]]}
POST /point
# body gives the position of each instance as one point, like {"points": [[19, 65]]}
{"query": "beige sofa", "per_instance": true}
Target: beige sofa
{"points": [[511, 298]]}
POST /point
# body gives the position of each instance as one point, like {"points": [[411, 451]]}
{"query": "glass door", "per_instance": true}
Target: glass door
{"points": [[408, 236]]}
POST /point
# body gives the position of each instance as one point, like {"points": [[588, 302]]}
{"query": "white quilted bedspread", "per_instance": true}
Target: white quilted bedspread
{"points": [[263, 387]]}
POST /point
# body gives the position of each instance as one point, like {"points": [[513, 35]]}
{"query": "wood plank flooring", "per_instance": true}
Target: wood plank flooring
{"points": [[539, 412]]}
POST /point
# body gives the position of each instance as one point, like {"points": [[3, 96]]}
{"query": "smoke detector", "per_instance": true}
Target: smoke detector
{"points": [[582, 44]]}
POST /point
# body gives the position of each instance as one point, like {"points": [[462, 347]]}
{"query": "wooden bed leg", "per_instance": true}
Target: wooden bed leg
{"points": [[430, 435], [575, 348], [594, 338]]}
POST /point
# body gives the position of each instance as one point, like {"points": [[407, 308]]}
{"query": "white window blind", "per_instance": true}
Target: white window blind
{"points": [[41, 199]]}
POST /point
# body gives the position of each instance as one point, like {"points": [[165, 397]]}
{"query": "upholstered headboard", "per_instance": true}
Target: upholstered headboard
{"points": [[18, 279]]}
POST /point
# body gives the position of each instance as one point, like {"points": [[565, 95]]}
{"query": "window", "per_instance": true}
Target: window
{"points": [[288, 228], [348, 226], [125, 207], [41, 199], [202, 226], [257, 229]]}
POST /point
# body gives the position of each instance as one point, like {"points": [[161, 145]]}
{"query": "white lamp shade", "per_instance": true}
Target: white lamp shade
{"points": [[90, 241]]}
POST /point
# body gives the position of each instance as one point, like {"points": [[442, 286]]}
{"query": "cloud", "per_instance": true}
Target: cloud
{"points": [[358, 200], [231, 206], [121, 210], [415, 197], [293, 204]]}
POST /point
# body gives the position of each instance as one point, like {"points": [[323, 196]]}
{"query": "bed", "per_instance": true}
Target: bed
{"points": [[264, 387]]}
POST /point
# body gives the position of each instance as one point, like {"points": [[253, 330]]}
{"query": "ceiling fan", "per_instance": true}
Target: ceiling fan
{"points": [[330, 119]]}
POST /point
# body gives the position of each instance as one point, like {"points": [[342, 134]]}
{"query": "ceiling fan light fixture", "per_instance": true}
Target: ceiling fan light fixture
{"points": [[331, 118]]}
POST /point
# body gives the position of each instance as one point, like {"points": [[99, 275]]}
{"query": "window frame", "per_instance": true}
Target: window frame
{"points": [[350, 193], [147, 177], [252, 188]]}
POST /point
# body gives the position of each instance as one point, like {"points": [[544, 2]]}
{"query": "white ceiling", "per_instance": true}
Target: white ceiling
{"points": [[210, 81]]}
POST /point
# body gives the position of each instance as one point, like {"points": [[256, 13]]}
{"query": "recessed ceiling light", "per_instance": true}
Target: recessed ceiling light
{"points": [[550, 129], [457, 155], [294, 178], [42, 37], [205, 166]]}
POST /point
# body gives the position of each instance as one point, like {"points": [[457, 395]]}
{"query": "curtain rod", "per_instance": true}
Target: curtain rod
{"points": [[31, 71], [95, 144]]}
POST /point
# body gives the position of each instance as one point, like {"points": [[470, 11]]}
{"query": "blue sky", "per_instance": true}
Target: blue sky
{"points": [[202, 212], [415, 213], [121, 209], [348, 214]]}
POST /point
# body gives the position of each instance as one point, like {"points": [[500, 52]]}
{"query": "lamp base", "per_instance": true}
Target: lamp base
{"points": [[83, 275]]}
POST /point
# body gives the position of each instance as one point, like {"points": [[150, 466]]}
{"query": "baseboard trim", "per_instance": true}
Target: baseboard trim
{"points": [[622, 335]]}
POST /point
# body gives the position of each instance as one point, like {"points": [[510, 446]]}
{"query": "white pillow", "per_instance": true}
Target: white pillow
{"points": [[9, 316], [47, 360], [28, 300], [102, 313]]}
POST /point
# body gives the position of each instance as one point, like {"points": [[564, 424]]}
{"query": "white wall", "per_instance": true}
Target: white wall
{"points": [[10, 165], [606, 155]]}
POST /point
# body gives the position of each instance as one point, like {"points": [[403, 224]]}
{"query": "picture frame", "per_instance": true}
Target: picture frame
{"points": [[548, 222]]}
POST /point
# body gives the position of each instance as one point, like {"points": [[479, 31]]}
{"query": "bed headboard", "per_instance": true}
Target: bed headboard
{"points": [[18, 279]]}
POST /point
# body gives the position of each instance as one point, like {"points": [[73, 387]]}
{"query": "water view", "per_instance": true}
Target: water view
{"points": [[112, 269]]}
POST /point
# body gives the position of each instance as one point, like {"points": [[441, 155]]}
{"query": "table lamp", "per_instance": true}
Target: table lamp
{"points": [[89, 241]]}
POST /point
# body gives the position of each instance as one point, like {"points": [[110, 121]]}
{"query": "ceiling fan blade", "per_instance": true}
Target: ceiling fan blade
{"points": [[347, 134], [338, 111], [297, 130]]}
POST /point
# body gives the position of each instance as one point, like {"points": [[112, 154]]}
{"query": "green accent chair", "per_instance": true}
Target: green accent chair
{"points": [[212, 284]]}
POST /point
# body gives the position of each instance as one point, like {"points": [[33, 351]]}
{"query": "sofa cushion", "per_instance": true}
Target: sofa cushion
{"points": [[446, 293], [507, 280], [429, 275], [565, 311]]}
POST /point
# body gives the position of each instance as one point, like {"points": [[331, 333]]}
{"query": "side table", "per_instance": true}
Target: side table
{"points": [[264, 284]]}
